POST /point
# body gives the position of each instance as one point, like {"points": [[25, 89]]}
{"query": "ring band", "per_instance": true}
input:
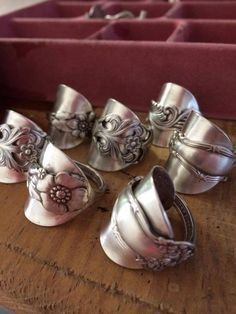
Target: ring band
{"points": [[119, 139], [59, 188], [20, 145], [170, 112], [201, 155], [135, 238], [96, 11], [72, 118]]}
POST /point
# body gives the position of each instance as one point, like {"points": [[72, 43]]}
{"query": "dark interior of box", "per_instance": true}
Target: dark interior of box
{"points": [[191, 43]]}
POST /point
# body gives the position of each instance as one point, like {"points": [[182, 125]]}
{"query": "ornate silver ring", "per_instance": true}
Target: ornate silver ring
{"points": [[97, 11], [59, 188], [72, 118], [201, 155], [170, 112], [119, 139], [139, 234], [21, 142]]}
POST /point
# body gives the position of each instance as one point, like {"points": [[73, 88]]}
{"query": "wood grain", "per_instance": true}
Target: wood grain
{"points": [[64, 270]]}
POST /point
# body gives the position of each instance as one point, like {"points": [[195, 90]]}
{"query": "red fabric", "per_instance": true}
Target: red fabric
{"points": [[125, 60]]}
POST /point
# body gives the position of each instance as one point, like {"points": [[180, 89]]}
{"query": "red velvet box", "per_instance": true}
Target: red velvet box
{"points": [[191, 43]]}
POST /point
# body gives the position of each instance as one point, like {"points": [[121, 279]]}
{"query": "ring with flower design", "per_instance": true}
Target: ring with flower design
{"points": [[119, 139], [140, 234], [59, 188], [72, 118], [170, 112], [21, 142]]}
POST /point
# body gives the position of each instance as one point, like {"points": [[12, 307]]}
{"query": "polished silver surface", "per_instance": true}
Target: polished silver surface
{"points": [[201, 155], [72, 118], [97, 12], [119, 139], [59, 188], [139, 234], [170, 112], [21, 142]]}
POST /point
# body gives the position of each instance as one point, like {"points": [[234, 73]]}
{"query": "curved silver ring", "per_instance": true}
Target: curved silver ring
{"points": [[59, 188], [119, 139], [170, 112], [96, 11], [72, 118], [201, 155], [139, 234], [21, 142]]}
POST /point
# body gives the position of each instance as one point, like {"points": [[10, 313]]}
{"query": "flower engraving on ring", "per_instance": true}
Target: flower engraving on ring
{"points": [[172, 253], [78, 124], [58, 193], [121, 139], [19, 147]]}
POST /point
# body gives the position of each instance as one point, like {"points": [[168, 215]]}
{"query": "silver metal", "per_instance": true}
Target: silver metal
{"points": [[21, 142], [119, 139], [59, 188], [72, 118], [170, 112], [139, 234], [97, 11], [201, 155]]}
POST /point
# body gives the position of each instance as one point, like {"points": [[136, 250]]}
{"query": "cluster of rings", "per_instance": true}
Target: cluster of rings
{"points": [[139, 234]]}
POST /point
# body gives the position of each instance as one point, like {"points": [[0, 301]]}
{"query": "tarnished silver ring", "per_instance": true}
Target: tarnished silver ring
{"points": [[170, 112], [201, 155], [139, 234], [72, 118], [59, 188], [21, 141], [96, 11], [119, 139]]}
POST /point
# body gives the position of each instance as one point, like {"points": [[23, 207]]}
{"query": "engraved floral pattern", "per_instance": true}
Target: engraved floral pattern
{"points": [[19, 147], [58, 193], [121, 139], [171, 254], [165, 117], [79, 125]]}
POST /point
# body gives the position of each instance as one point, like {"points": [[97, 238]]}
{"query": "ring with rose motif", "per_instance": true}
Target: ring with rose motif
{"points": [[60, 188]]}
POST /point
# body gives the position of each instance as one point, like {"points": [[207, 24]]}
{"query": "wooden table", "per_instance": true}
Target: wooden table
{"points": [[64, 270]]}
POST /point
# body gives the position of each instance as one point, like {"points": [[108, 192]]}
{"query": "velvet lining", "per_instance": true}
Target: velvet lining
{"points": [[189, 43]]}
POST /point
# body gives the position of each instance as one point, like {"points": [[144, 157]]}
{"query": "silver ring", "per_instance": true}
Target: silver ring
{"points": [[59, 188], [97, 11], [201, 155], [118, 139], [72, 118], [139, 234], [170, 112], [20, 145]]}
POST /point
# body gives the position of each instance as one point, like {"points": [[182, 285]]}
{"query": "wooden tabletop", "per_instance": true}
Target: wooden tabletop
{"points": [[64, 270]]}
